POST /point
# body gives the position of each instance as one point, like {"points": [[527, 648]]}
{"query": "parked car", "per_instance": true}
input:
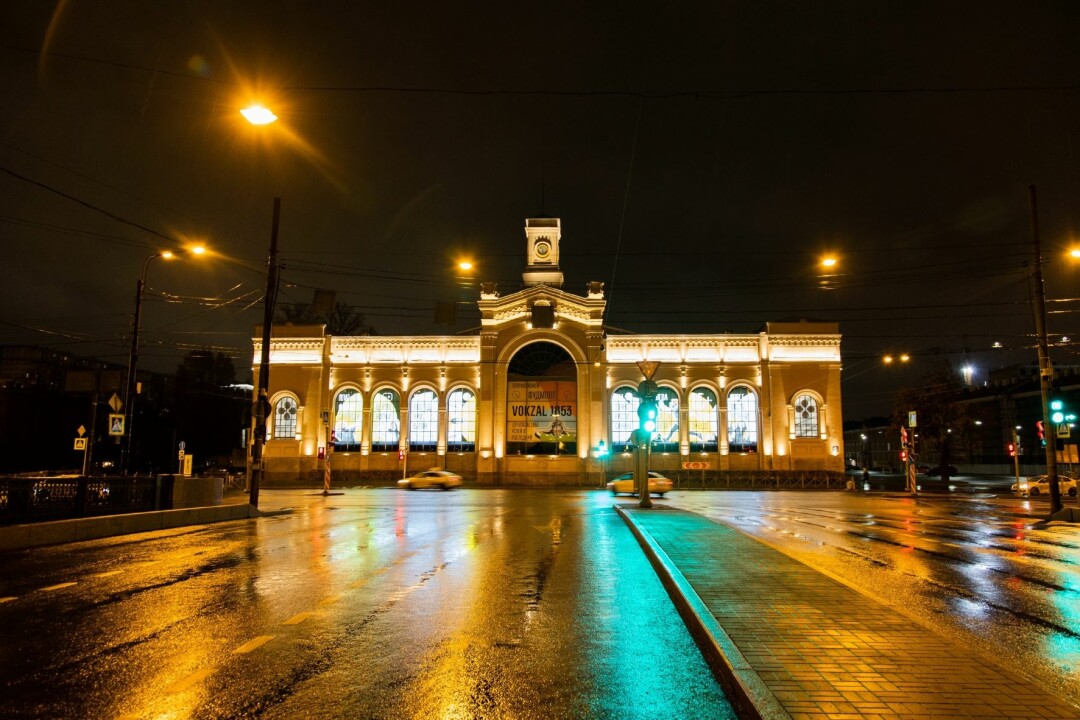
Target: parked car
{"points": [[658, 484], [433, 478], [1040, 485]]}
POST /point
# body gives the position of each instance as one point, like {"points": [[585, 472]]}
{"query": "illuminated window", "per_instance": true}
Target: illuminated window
{"points": [[806, 417], [742, 407], [624, 418], [461, 416], [704, 420], [666, 438], [285, 419], [348, 415], [423, 421], [385, 421]]}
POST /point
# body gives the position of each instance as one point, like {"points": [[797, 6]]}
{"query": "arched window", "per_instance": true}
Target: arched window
{"points": [[461, 419], [423, 421], [806, 416], [624, 418], [348, 417], [541, 401], [385, 421], [704, 420], [666, 438], [285, 419], [742, 420]]}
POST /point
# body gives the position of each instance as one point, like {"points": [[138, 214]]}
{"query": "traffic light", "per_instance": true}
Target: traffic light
{"points": [[903, 455], [647, 415], [1042, 435], [1057, 411], [1012, 450]]}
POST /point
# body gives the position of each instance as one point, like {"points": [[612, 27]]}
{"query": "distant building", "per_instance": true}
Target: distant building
{"points": [[543, 394]]}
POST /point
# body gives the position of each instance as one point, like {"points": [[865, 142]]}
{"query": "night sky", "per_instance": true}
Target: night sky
{"points": [[702, 160]]}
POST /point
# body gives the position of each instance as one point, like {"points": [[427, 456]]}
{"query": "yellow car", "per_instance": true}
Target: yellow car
{"points": [[1040, 485], [658, 484], [433, 478]]}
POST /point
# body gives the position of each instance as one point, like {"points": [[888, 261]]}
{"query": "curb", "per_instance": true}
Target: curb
{"points": [[19, 537], [748, 693]]}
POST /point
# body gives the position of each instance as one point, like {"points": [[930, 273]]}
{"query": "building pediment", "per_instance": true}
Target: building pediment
{"points": [[519, 306]]}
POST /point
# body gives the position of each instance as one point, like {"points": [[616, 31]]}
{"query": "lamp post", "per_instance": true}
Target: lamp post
{"points": [[133, 357], [259, 115]]}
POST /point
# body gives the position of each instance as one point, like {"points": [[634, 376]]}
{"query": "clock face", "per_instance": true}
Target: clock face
{"points": [[542, 249]]}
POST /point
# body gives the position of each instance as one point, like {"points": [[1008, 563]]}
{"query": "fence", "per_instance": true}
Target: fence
{"points": [[759, 480], [37, 499]]}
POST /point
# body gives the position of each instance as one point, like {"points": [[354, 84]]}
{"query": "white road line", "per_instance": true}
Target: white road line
{"points": [[253, 644], [58, 587], [298, 618], [183, 684], [108, 574], [8, 599]]}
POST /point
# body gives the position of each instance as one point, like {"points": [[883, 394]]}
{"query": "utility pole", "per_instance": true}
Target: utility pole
{"points": [[1046, 371], [262, 401]]}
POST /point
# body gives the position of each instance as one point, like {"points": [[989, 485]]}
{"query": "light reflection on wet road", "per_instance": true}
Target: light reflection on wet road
{"points": [[982, 569], [378, 603]]}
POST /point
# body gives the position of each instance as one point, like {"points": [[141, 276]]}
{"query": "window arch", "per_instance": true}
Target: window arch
{"points": [[742, 421], [806, 416], [666, 438], [624, 417], [348, 419], [385, 420], [423, 420], [461, 420], [704, 420], [285, 412]]}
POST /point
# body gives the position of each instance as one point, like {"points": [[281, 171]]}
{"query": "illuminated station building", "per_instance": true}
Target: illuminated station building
{"points": [[544, 396]]}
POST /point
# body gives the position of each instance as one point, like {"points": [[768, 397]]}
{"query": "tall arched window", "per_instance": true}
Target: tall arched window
{"points": [[348, 417], [704, 420], [624, 418], [285, 419], [806, 416], [385, 421], [423, 421], [742, 420], [666, 438], [461, 420]]}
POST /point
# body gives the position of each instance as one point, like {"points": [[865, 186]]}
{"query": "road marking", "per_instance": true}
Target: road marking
{"points": [[183, 684], [253, 644], [298, 618], [58, 587], [330, 600], [108, 574], [8, 599]]}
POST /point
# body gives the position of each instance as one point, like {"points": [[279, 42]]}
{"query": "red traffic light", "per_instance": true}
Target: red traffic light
{"points": [[903, 455], [1012, 450]]}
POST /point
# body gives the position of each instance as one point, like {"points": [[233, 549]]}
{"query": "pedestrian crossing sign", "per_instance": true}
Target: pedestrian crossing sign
{"points": [[116, 424]]}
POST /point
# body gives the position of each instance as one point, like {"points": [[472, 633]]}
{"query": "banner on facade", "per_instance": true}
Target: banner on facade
{"points": [[541, 411]]}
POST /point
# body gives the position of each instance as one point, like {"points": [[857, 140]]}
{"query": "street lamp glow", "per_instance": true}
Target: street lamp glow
{"points": [[828, 261], [888, 359], [258, 115], [465, 265], [1075, 253], [904, 357]]}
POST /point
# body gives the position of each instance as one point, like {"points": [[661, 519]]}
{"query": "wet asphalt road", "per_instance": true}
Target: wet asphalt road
{"points": [[377, 604], [983, 568]]}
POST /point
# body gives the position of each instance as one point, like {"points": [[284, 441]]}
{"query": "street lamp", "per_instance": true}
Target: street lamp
{"points": [[259, 115], [133, 357]]}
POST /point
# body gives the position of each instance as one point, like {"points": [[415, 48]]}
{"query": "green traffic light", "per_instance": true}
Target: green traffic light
{"points": [[1058, 417], [1057, 405]]}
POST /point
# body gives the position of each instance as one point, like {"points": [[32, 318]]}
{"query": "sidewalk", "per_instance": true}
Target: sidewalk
{"points": [[789, 642]]}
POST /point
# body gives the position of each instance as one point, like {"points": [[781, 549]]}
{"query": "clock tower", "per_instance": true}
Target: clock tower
{"points": [[542, 237]]}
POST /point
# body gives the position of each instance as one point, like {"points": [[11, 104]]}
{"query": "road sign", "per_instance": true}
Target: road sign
{"points": [[80, 443], [116, 424], [1063, 430], [911, 418], [116, 403], [81, 431]]}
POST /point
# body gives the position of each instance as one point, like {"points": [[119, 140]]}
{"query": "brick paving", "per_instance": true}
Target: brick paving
{"points": [[824, 650]]}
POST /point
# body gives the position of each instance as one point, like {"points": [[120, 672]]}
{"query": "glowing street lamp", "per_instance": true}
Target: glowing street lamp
{"points": [[258, 115], [133, 357]]}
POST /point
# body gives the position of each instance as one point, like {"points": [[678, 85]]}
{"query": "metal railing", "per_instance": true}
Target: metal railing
{"points": [[38, 499]]}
